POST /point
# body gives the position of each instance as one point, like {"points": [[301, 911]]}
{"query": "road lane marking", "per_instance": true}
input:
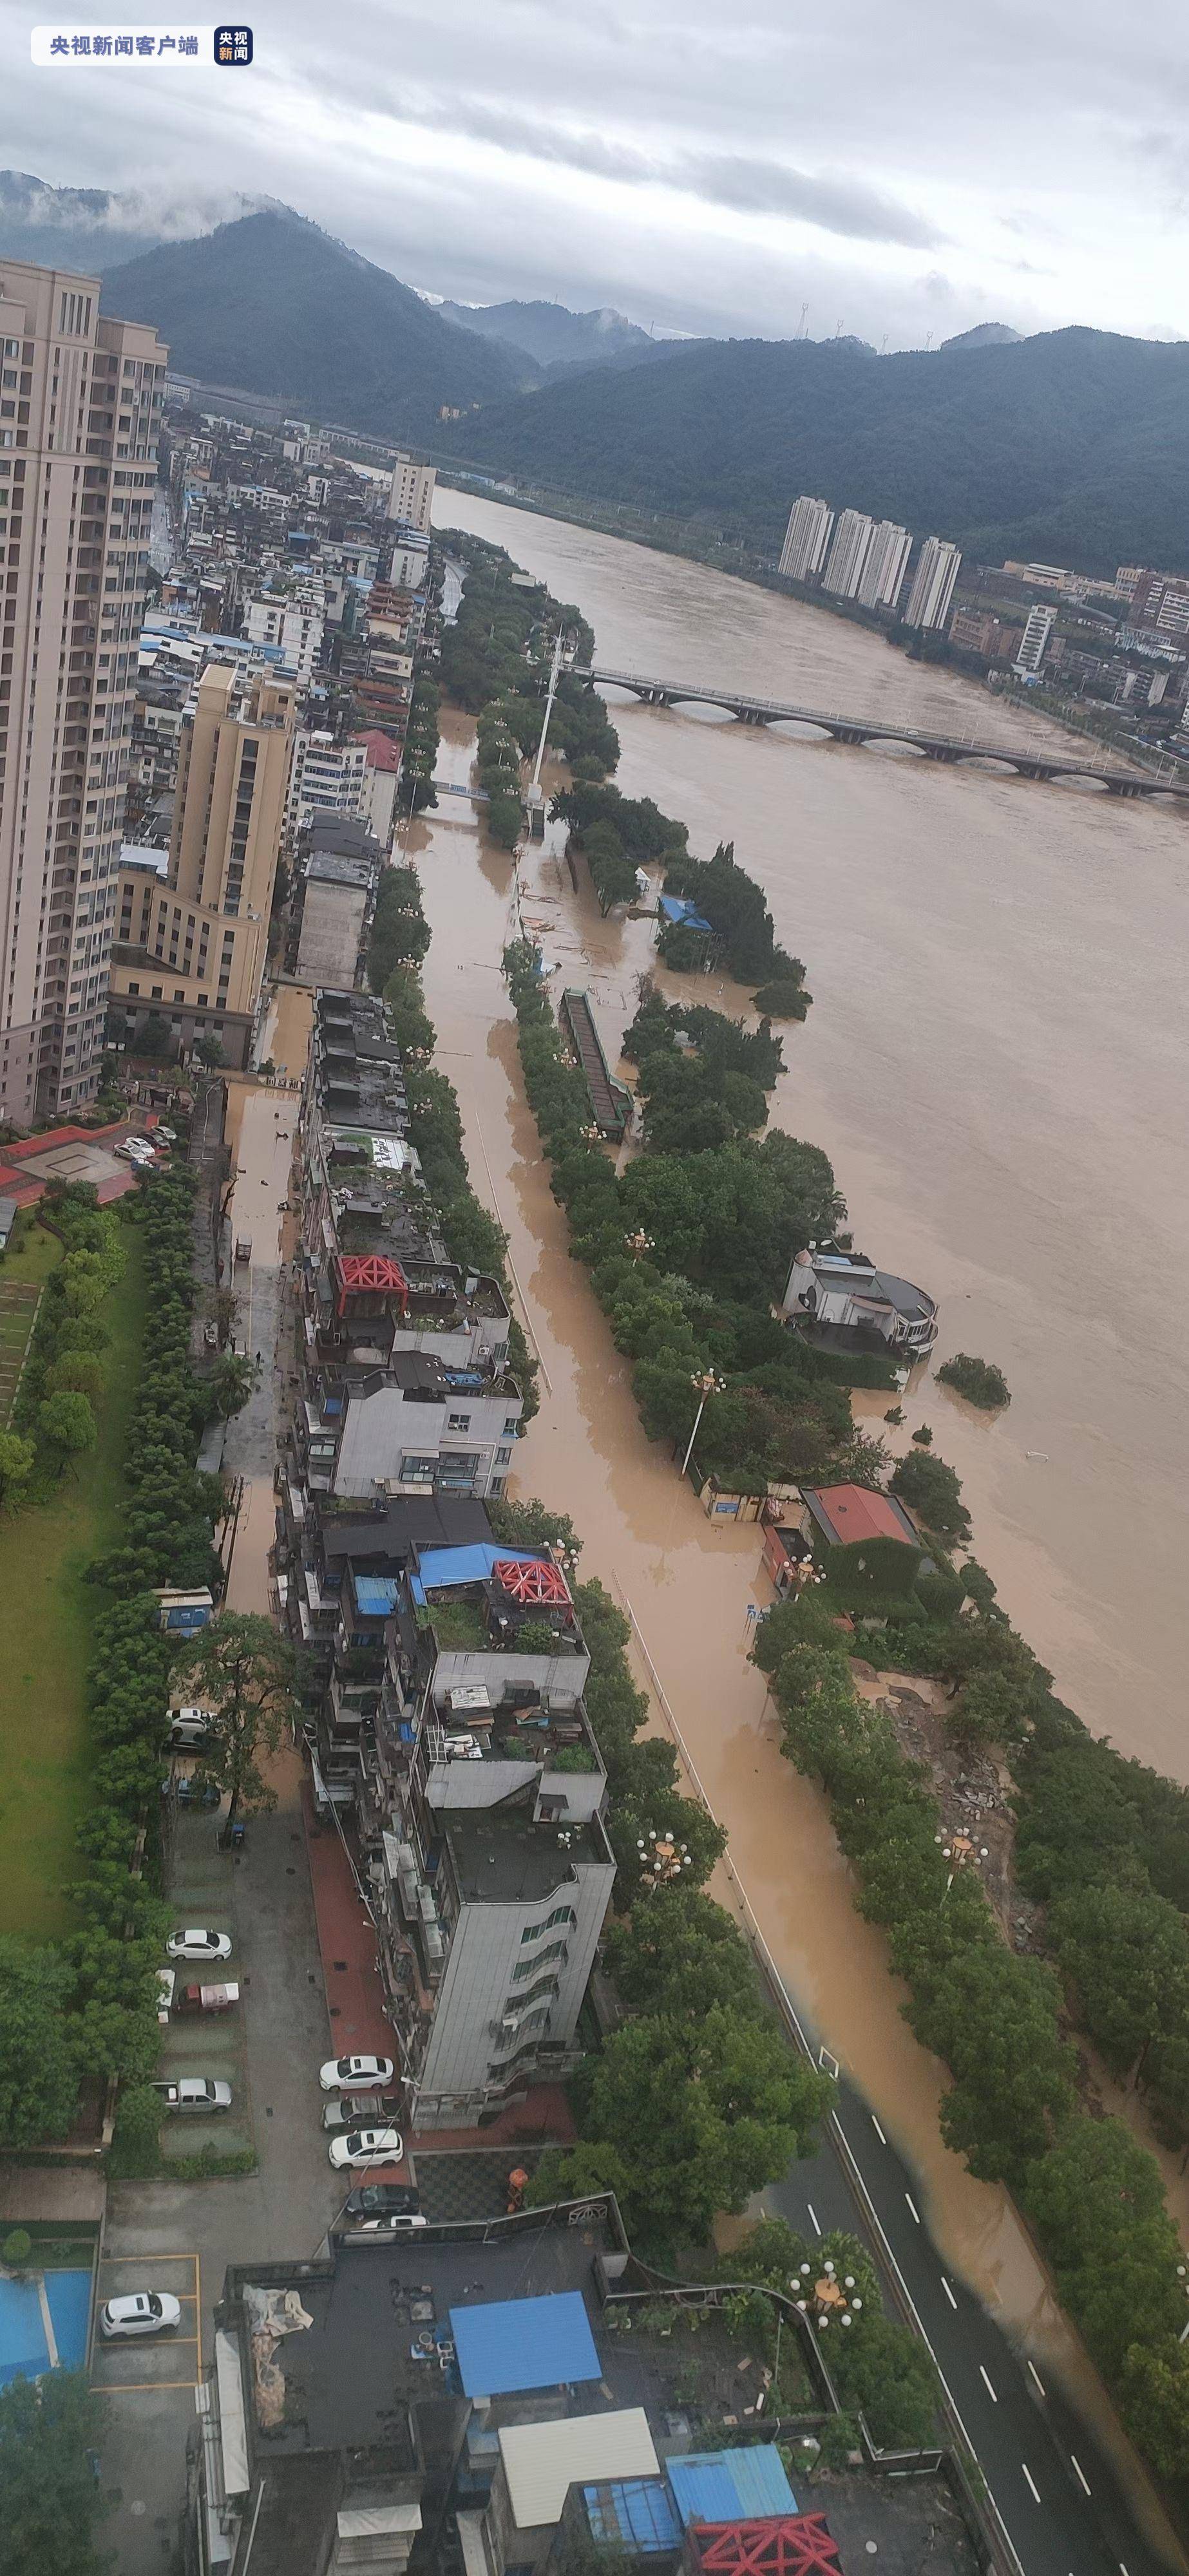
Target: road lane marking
{"points": [[987, 2385], [1083, 2480], [814, 2216], [912, 2205], [878, 2131], [1037, 2377], [948, 2292], [1031, 2481]]}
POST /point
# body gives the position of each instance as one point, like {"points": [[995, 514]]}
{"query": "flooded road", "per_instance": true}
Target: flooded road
{"points": [[995, 1063], [689, 1583]]}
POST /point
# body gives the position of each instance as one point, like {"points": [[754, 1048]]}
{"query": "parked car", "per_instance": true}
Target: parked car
{"points": [[346, 2110], [382, 2200], [193, 1942], [368, 2147], [209, 1999], [140, 2312], [356, 2074], [195, 2093], [189, 1729], [166, 1135]]}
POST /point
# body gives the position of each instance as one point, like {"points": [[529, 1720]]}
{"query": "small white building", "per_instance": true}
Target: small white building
{"points": [[295, 623], [326, 778], [845, 1292]]}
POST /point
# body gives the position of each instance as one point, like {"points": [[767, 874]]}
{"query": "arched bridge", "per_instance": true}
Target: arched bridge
{"points": [[868, 729]]}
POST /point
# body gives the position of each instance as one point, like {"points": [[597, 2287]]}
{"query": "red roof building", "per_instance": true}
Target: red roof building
{"points": [[846, 1515], [786, 2545], [382, 753], [368, 1274]]}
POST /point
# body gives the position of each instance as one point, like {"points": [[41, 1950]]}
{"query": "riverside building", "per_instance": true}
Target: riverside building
{"points": [[933, 583], [806, 539]]}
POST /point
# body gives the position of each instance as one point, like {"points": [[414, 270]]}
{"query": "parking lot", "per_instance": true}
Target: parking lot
{"points": [[202, 1890], [147, 2363]]}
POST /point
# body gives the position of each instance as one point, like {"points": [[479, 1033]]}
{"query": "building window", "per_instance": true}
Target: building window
{"points": [[503, 1457], [511, 1425], [458, 1422]]}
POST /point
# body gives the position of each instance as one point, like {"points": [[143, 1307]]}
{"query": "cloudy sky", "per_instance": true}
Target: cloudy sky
{"points": [[902, 170]]}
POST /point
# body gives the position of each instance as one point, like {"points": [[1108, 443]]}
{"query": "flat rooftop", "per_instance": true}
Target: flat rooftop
{"points": [[500, 1854], [350, 2377]]}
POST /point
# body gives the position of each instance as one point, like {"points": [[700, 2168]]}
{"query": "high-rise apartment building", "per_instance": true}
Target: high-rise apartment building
{"points": [[883, 570], [806, 539], [933, 583], [848, 554], [192, 946], [1034, 639], [410, 496], [80, 403]]}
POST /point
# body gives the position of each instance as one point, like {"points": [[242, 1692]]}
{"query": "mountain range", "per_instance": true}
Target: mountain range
{"points": [[275, 306], [550, 334], [1071, 446]]}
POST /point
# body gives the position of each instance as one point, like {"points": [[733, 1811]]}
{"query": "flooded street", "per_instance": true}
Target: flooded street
{"points": [[688, 1582], [995, 1063]]}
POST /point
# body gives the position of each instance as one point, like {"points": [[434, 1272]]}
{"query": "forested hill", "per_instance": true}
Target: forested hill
{"points": [[1072, 447], [274, 305], [550, 334]]}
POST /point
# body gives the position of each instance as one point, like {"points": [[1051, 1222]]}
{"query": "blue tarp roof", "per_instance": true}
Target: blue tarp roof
{"points": [[679, 908], [633, 2512], [438, 1566], [375, 1594], [731, 2486], [506, 2344]]}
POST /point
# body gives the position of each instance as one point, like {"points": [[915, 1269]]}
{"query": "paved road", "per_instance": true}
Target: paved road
{"points": [[1059, 2500], [1057, 2494]]}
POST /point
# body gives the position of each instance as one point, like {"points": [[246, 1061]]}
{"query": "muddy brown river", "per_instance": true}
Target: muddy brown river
{"points": [[993, 1062]]}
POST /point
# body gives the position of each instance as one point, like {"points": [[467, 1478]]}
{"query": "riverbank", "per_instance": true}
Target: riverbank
{"points": [[689, 1583], [991, 1065]]}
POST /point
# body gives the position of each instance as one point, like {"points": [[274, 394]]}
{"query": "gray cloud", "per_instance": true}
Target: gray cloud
{"points": [[706, 170]]}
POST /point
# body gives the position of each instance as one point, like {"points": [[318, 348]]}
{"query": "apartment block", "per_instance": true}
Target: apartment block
{"points": [[1034, 641], [80, 402], [326, 777], [848, 554], [806, 539], [407, 1385], [884, 565], [933, 583], [410, 494], [295, 623], [195, 947], [487, 1793]]}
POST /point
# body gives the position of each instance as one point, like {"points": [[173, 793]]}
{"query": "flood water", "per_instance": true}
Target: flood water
{"points": [[995, 1062], [947, 1068]]}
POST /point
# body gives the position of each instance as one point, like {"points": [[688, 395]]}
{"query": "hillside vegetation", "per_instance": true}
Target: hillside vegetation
{"points": [[275, 306], [1072, 447]]}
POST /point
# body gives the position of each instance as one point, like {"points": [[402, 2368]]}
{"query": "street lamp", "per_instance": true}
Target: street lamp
{"points": [[638, 1243], [662, 1859], [704, 1382]]}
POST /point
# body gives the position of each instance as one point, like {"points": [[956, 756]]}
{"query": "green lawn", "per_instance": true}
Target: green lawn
{"points": [[46, 1617], [23, 1272]]}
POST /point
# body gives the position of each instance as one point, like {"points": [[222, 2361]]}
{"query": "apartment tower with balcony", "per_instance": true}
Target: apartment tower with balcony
{"points": [[193, 946], [80, 404]]}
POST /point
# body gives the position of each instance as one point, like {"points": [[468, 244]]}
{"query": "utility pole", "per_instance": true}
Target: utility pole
{"points": [[534, 793]]}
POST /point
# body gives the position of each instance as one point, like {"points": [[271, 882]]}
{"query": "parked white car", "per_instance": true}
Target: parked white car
{"points": [[356, 2074], [140, 2312], [195, 1943], [368, 2147], [195, 2093], [189, 1729]]}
